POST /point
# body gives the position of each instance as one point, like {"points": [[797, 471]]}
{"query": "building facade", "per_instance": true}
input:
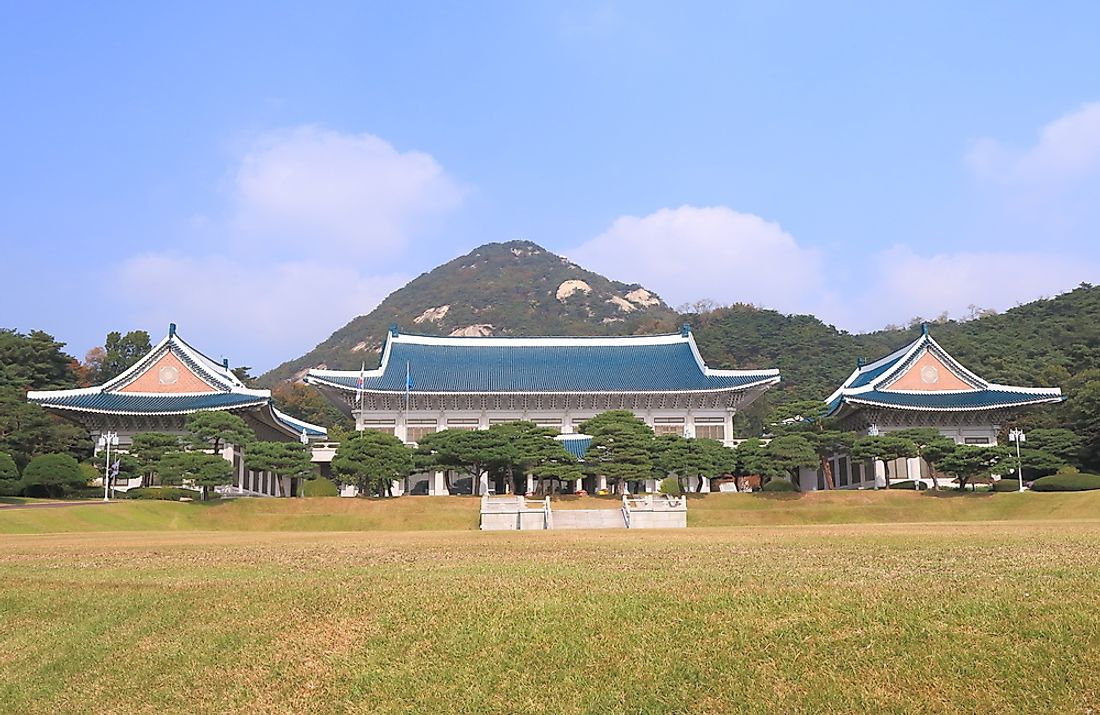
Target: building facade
{"points": [[920, 385], [159, 392], [427, 384]]}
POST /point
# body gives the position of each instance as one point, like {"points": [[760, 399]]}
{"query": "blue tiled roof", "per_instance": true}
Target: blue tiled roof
{"points": [[971, 400], [523, 367], [298, 425], [867, 376], [576, 445], [118, 402]]}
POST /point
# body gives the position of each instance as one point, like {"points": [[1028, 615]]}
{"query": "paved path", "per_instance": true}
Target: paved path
{"points": [[53, 504]]}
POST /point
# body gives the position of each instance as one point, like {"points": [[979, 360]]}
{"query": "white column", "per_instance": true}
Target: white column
{"points": [[530, 484], [706, 485], [483, 483], [278, 490], [578, 486], [728, 441], [438, 485], [912, 466], [880, 473], [601, 482]]}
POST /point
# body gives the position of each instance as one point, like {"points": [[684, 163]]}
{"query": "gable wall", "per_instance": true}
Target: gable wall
{"points": [[915, 378], [186, 381]]}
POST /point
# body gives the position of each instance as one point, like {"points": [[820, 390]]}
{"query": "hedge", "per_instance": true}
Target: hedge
{"points": [[321, 488], [908, 484], [1067, 483], [1006, 485], [779, 485], [162, 493]]}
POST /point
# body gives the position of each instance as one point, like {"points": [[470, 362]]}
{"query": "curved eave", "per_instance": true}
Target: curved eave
{"points": [[737, 388], [297, 425], [156, 413], [993, 405]]}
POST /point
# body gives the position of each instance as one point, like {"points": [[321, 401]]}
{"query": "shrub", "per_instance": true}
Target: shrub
{"points": [[1067, 483], [909, 484], [321, 487], [669, 485], [1006, 485], [53, 475], [779, 485], [9, 476], [1068, 469], [161, 493]]}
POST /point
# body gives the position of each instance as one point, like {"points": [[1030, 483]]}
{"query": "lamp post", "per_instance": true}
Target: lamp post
{"points": [[1017, 435], [108, 440]]}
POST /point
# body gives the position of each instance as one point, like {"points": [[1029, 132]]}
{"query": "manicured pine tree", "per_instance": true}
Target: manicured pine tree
{"points": [[968, 462], [789, 453], [213, 429], [620, 448], [932, 446], [886, 447], [205, 470], [9, 476], [373, 461], [53, 474]]}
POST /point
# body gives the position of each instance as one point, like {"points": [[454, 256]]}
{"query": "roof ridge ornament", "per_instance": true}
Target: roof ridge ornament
{"points": [[924, 329], [393, 329], [860, 362], [685, 330], [171, 329]]}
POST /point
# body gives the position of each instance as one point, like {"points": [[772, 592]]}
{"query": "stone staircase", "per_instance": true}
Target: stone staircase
{"points": [[589, 519]]}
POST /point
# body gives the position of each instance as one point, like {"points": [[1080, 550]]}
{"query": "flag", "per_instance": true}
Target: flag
{"points": [[114, 468], [408, 383]]}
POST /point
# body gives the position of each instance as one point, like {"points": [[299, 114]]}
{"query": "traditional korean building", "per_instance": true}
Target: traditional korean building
{"points": [[921, 385], [427, 383], [161, 389]]}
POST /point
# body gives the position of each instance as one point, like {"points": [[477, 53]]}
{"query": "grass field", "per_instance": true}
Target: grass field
{"points": [[461, 513], [995, 616]]}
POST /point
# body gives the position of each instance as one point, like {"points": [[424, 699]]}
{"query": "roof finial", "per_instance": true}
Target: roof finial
{"points": [[225, 363], [924, 328], [171, 329], [685, 330], [393, 329], [859, 362]]}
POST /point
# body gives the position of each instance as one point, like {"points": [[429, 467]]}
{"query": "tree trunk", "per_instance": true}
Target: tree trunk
{"points": [[699, 486], [932, 473], [827, 470], [886, 469]]}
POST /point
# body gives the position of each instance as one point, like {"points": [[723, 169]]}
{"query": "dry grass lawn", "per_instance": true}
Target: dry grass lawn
{"points": [[932, 618]]}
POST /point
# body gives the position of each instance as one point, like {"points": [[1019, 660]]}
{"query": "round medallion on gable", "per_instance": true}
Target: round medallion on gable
{"points": [[929, 375], [169, 375]]}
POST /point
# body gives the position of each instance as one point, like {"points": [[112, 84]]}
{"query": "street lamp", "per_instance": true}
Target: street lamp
{"points": [[1017, 435], [108, 440]]}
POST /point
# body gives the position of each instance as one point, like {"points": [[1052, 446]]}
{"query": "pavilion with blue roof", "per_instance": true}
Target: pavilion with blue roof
{"points": [[428, 383], [922, 385], [160, 390]]}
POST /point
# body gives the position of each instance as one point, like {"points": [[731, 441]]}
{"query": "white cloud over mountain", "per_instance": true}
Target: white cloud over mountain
{"points": [[317, 221]]}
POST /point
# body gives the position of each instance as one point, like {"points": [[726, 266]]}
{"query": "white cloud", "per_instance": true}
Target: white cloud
{"points": [[316, 218], [690, 252], [906, 285], [258, 316], [351, 193], [1068, 149]]}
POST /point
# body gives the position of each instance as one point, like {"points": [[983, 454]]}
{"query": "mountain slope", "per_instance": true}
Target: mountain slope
{"points": [[514, 288]]}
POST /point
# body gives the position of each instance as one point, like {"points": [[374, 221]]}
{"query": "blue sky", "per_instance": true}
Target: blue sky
{"points": [[260, 173]]}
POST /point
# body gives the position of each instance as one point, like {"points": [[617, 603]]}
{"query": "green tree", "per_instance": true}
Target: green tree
{"points": [[120, 352], [205, 470], [886, 447], [305, 403], [373, 461], [287, 459], [27, 430], [35, 361], [827, 443], [968, 462], [752, 461], [9, 476], [149, 448], [53, 475], [464, 451], [791, 452], [932, 446], [620, 448], [213, 429], [1063, 444]]}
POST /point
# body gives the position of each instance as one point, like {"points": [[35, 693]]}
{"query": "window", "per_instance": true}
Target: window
{"points": [[668, 425], [710, 428], [416, 429], [467, 424], [976, 440], [386, 426]]}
